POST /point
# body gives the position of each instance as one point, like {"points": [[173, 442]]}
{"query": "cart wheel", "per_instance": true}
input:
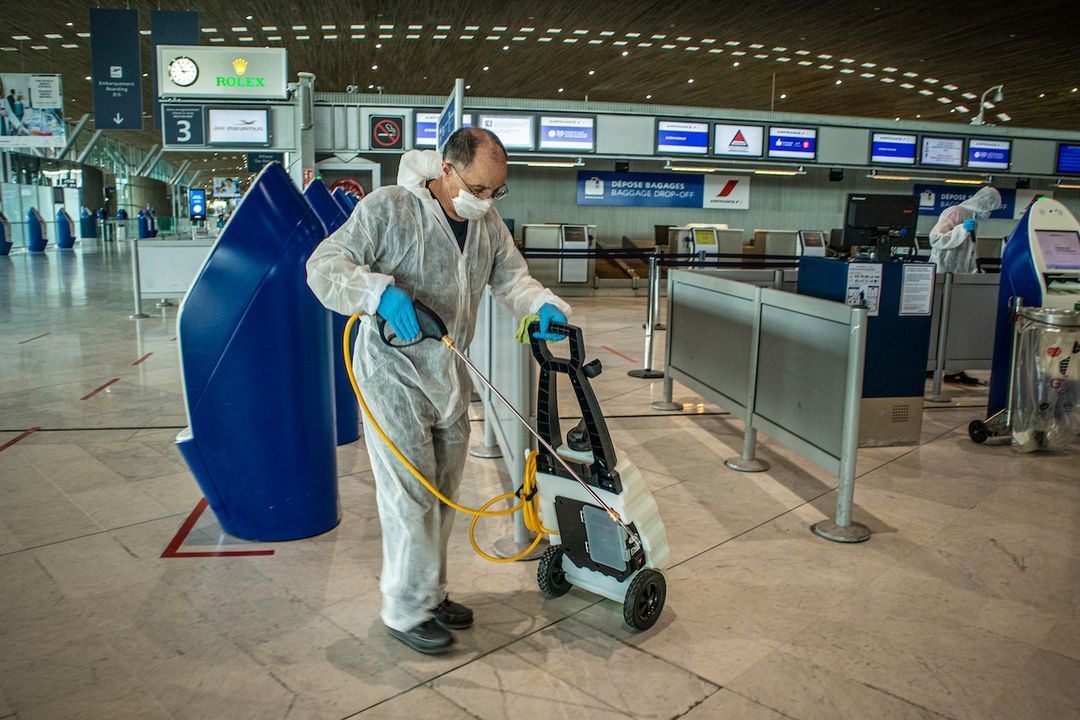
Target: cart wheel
{"points": [[978, 431], [645, 599], [549, 574]]}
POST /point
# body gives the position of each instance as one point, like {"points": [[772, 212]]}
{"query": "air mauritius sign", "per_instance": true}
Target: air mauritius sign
{"points": [[686, 190]]}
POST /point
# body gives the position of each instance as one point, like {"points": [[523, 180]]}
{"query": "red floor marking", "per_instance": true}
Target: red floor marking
{"points": [[23, 342], [92, 393], [140, 360], [613, 351], [16, 439], [173, 549]]}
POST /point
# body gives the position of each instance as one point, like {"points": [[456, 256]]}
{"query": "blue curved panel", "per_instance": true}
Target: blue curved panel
{"points": [[144, 225], [346, 200], [255, 361], [65, 233], [346, 410], [87, 224], [36, 238], [1019, 278], [5, 241]]}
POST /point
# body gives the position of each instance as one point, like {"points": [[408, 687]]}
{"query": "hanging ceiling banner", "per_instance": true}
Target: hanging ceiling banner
{"points": [[116, 69], [31, 111], [169, 28]]}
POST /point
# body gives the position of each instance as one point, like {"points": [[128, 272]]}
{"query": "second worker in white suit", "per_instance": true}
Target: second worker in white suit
{"points": [[437, 238]]}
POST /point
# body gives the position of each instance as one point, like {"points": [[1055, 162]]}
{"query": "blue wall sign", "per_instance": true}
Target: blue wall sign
{"points": [[169, 28], [935, 198], [116, 69], [640, 189], [258, 160], [183, 125], [447, 122]]}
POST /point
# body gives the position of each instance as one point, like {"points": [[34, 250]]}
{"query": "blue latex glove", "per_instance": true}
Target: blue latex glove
{"points": [[549, 314], [971, 224], [396, 308]]}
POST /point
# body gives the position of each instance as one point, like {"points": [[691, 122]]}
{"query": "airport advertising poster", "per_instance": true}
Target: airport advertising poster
{"points": [[31, 111], [226, 187]]}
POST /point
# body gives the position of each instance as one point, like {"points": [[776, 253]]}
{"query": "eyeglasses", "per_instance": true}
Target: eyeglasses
{"points": [[498, 194]]}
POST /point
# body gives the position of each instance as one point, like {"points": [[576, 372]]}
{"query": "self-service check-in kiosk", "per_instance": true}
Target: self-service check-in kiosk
{"points": [[65, 230], [1040, 265], [37, 233], [711, 240], [569, 273]]}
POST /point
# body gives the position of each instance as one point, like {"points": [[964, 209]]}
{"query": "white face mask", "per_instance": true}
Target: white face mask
{"points": [[471, 207]]}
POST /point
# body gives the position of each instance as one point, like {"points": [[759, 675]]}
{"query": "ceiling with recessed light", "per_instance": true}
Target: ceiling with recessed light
{"points": [[911, 60]]}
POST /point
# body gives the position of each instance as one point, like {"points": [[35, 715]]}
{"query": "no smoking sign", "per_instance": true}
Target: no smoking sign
{"points": [[386, 132]]}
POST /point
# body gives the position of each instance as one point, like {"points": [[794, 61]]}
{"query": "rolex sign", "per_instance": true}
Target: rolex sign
{"points": [[235, 73]]}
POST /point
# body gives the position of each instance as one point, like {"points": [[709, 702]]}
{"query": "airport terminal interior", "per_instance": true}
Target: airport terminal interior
{"points": [[792, 431]]}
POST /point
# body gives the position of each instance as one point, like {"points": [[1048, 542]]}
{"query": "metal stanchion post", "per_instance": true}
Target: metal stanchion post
{"points": [[656, 295], [747, 461], [843, 529], [650, 319], [490, 449], [136, 280], [666, 404], [936, 395]]}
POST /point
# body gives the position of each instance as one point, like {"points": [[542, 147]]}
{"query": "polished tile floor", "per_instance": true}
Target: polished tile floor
{"points": [[964, 604]]}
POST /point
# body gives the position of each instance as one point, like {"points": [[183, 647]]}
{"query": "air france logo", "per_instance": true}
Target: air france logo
{"points": [[728, 188]]}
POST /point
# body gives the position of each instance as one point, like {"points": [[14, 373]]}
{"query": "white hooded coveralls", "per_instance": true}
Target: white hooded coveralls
{"points": [[420, 394], [952, 248]]}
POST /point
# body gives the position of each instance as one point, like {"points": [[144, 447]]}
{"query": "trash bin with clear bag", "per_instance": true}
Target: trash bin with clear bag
{"points": [[1046, 415]]}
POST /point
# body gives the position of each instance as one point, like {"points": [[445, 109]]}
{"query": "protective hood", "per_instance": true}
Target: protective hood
{"points": [[417, 167], [983, 202]]}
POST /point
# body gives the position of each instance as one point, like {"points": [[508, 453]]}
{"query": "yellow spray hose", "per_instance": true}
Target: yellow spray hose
{"points": [[530, 501]]}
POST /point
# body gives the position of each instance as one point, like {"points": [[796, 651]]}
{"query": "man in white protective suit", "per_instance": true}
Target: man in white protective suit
{"points": [[434, 237], [952, 239]]}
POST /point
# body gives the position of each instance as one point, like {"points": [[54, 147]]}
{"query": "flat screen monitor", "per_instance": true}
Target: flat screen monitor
{"points": [[704, 238], [1060, 249], [563, 132], [575, 233], [793, 143], [738, 140], [942, 152], [892, 148], [238, 126], [427, 128], [869, 218], [674, 137], [988, 154], [515, 131], [812, 238], [1068, 159]]}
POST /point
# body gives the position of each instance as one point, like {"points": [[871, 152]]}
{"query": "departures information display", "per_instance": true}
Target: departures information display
{"points": [[1068, 159], [515, 131], [676, 137], [793, 143], [427, 124], [988, 154], [892, 148], [738, 140], [945, 152], [563, 132]]}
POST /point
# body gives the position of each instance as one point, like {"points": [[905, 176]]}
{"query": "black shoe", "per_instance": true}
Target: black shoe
{"points": [[453, 615], [427, 637]]}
